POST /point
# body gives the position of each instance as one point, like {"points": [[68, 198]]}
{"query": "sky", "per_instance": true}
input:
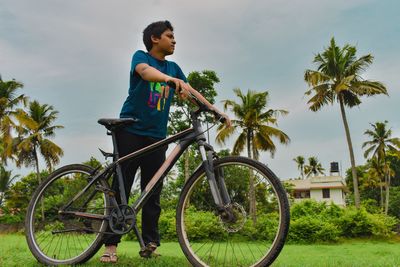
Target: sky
{"points": [[75, 56]]}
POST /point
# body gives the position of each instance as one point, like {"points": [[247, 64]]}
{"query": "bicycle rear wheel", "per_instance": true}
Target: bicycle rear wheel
{"points": [[248, 238], [54, 234]]}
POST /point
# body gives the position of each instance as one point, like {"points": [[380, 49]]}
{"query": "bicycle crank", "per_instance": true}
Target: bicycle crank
{"points": [[122, 219]]}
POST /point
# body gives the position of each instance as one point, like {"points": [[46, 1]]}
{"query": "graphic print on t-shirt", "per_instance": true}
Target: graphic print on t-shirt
{"points": [[158, 95]]}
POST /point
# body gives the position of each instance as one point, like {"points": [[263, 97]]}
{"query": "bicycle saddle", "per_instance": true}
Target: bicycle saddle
{"points": [[113, 124]]}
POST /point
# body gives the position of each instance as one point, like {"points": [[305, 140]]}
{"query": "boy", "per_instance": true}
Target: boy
{"points": [[149, 101]]}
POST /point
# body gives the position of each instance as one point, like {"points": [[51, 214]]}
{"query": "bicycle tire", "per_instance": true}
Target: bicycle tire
{"points": [[253, 248], [76, 239]]}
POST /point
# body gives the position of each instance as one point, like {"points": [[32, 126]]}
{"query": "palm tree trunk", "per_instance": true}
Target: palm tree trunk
{"points": [[387, 180], [381, 191], [39, 179], [252, 208], [387, 194], [350, 145]]}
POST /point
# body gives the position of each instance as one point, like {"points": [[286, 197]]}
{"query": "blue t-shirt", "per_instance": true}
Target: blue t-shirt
{"points": [[149, 101]]}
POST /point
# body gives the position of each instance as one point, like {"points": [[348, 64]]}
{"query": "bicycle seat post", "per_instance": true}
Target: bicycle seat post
{"points": [[118, 169]]}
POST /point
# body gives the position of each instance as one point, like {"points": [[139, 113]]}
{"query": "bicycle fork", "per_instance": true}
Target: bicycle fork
{"points": [[215, 179]]}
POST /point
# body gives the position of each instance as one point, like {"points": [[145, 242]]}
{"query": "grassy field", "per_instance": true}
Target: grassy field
{"points": [[14, 252]]}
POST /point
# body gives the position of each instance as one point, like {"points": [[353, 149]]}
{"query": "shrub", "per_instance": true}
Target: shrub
{"points": [[355, 223], [11, 219], [312, 229]]}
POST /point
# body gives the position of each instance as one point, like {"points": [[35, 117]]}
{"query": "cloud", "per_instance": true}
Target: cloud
{"points": [[76, 56]]}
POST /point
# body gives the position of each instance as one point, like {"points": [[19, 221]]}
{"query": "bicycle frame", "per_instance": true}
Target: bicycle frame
{"points": [[184, 138]]}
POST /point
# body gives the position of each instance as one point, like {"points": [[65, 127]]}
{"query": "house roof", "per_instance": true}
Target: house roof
{"points": [[318, 182]]}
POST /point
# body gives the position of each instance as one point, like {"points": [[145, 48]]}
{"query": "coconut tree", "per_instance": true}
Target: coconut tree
{"points": [[9, 100], [255, 124], [35, 127], [337, 79], [376, 176], [381, 141], [300, 165], [6, 178], [313, 167]]}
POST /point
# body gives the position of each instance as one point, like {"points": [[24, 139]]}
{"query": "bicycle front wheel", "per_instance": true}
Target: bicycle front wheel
{"points": [[254, 232], [55, 234]]}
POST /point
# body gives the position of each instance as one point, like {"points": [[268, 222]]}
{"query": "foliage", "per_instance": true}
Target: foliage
{"points": [[313, 221], [359, 223], [379, 146], [254, 122], [256, 126], [6, 178], [9, 100], [92, 162], [313, 167], [338, 79], [18, 196], [394, 204], [203, 82], [311, 229], [36, 126], [300, 161]]}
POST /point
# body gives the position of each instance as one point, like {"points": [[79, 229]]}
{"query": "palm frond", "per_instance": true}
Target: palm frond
{"points": [[240, 143], [224, 133]]}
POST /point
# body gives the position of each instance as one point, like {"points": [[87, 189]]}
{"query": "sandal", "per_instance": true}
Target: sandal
{"points": [[111, 257], [149, 251]]}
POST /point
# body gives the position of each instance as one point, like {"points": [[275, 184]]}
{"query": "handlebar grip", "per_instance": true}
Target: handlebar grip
{"points": [[171, 84], [218, 117]]}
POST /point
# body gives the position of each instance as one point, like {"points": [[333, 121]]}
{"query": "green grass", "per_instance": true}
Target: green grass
{"points": [[14, 252]]}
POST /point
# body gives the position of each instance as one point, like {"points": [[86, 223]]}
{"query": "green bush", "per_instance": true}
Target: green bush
{"points": [[166, 225], [11, 219], [313, 229], [355, 223], [311, 221]]}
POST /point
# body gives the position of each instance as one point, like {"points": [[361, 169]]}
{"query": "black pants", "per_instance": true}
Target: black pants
{"points": [[149, 164]]}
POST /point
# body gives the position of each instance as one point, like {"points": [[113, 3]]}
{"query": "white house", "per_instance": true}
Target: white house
{"points": [[320, 188]]}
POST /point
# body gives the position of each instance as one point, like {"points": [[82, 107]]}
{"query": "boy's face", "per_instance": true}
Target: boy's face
{"points": [[166, 42]]}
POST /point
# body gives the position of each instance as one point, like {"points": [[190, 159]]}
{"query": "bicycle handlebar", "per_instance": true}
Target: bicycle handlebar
{"points": [[200, 104]]}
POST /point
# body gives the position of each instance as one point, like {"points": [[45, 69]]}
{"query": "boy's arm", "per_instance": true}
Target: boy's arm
{"points": [[208, 104], [151, 74]]}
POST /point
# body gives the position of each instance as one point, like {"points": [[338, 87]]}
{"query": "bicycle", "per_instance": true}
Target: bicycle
{"points": [[71, 210]]}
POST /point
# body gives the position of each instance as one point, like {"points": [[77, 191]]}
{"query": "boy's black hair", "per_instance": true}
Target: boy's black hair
{"points": [[155, 29]]}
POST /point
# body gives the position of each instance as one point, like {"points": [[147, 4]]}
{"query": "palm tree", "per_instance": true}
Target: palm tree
{"points": [[35, 126], [6, 179], [337, 79], [300, 165], [9, 100], [255, 123], [376, 176], [313, 167], [381, 142]]}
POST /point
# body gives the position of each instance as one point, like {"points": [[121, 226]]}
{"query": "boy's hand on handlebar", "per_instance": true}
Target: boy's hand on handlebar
{"points": [[226, 119], [181, 88]]}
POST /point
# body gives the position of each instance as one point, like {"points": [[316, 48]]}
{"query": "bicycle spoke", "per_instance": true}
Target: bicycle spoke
{"points": [[231, 244], [63, 237]]}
